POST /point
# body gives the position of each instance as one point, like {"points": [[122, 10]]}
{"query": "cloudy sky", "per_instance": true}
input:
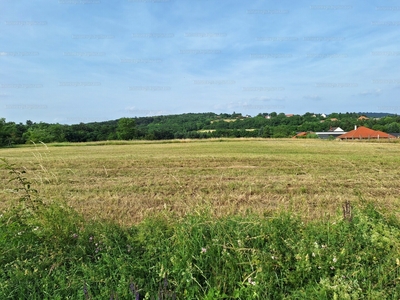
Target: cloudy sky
{"points": [[71, 61]]}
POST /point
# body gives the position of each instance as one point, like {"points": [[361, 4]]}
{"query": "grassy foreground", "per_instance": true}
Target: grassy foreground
{"points": [[192, 239], [52, 253]]}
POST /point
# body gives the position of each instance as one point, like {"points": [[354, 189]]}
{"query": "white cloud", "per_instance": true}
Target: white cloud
{"points": [[375, 93]]}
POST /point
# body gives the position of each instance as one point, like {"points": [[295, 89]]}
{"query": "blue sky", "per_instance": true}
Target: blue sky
{"points": [[71, 61]]}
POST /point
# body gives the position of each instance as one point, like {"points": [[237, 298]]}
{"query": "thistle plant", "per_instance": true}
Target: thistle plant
{"points": [[28, 197]]}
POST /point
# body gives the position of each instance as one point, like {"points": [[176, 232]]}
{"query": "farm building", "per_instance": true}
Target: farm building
{"points": [[365, 133], [333, 132]]}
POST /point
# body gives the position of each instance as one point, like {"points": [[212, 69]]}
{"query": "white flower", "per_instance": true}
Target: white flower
{"points": [[203, 250], [313, 254], [334, 259]]}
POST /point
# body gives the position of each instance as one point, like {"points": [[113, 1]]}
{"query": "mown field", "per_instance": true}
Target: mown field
{"points": [[208, 219], [127, 182]]}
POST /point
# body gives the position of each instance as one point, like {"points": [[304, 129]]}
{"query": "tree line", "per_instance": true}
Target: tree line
{"points": [[191, 125]]}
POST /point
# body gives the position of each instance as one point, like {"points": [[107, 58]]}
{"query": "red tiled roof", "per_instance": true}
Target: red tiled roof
{"points": [[300, 134], [365, 133]]}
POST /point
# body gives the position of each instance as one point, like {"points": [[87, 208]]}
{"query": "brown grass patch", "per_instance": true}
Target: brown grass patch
{"points": [[130, 181]]}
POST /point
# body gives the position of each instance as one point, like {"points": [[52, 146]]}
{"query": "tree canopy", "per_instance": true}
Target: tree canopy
{"points": [[193, 126]]}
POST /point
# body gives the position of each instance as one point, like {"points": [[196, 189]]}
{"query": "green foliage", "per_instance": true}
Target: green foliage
{"points": [[126, 129], [28, 200], [56, 254], [312, 136], [191, 125]]}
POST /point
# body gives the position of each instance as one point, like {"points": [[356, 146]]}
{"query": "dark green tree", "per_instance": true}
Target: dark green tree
{"points": [[126, 129]]}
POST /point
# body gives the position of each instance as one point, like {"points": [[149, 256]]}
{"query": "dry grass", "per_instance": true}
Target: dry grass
{"points": [[129, 181]]}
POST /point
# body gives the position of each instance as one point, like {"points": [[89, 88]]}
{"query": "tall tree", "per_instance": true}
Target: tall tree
{"points": [[126, 129]]}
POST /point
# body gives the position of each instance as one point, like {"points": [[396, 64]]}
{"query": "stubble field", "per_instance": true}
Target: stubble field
{"points": [[127, 182]]}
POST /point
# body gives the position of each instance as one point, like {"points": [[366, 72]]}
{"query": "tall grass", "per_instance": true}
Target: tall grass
{"points": [[56, 254], [210, 229]]}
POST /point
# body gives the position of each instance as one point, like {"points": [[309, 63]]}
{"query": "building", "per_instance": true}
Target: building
{"points": [[362, 132], [396, 134], [301, 134], [332, 133], [336, 129]]}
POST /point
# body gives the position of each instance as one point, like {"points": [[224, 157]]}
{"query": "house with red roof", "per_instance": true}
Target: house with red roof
{"points": [[300, 134], [365, 133]]}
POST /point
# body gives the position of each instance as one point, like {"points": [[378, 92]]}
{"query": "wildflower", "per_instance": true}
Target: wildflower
{"points": [[397, 262], [91, 239], [203, 250], [315, 244], [36, 228], [75, 236], [251, 281], [323, 246], [334, 259], [273, 257], [313, 254]]}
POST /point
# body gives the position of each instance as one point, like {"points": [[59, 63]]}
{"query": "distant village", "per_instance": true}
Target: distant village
{"points": [[359, 132]]}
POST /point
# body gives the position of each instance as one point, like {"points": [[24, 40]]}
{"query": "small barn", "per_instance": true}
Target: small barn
{"points": [[362, 133]]}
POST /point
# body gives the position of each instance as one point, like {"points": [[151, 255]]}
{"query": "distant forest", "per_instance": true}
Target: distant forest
{"points": [[192, 126]]}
